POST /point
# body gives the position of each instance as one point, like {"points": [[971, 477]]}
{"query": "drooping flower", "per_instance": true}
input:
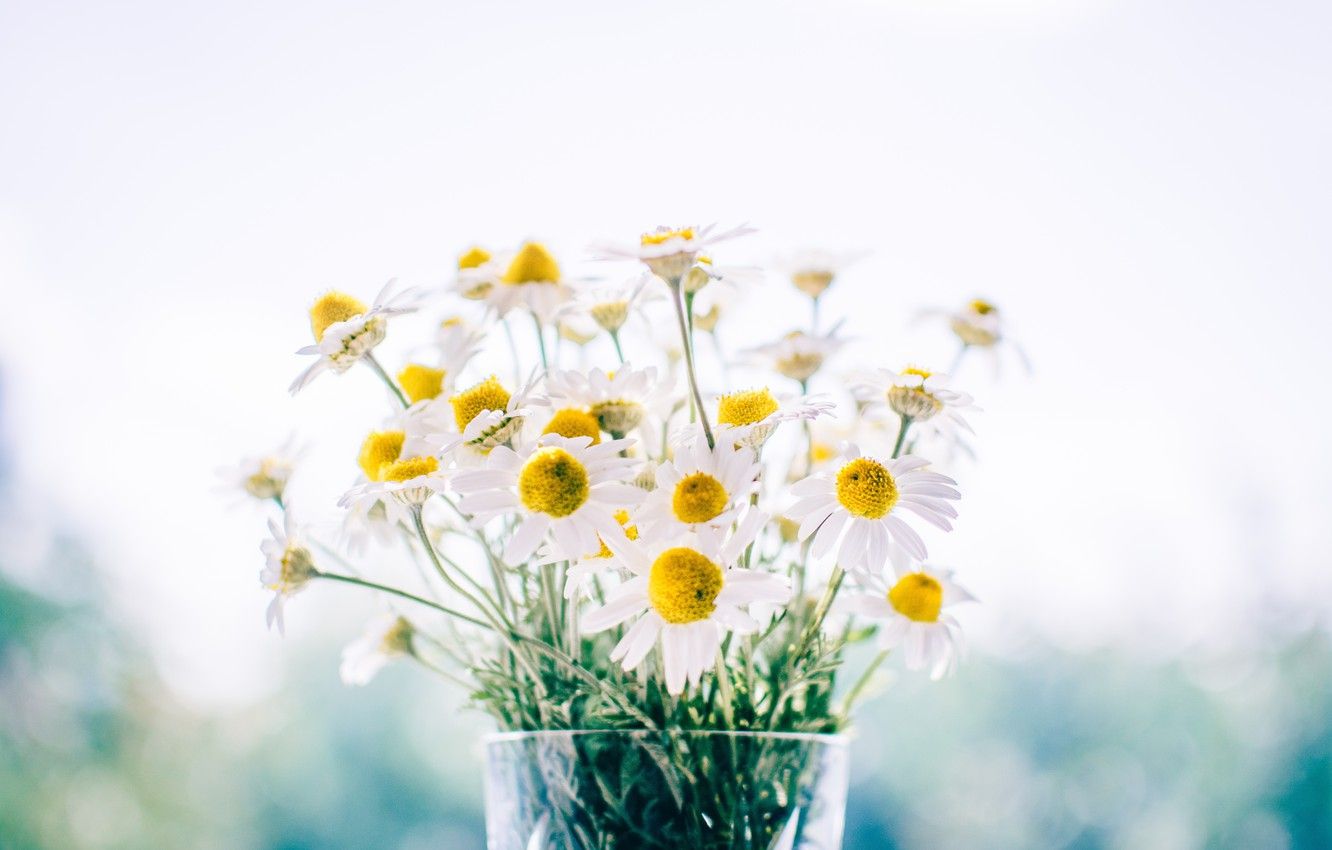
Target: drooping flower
{"points": [[290, 567], [345, 330], [610, 306], [685, 593], [798, 355], [532, 280], [385, 638], [486, 415], [262, 477], [750, 416], [862, 502], [701, 486], [918, 394], [620, 400], [913, 612], [563, 486], [584, 570], [812, 272]]}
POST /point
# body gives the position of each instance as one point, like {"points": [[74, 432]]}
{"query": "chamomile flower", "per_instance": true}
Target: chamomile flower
{"points": [[261, 477], [685, 593], [479, 272], [812, 272], [798, 355], [701, 486], [385, 638], [916, 394], [619, 400], [585, 569], [980, 325], [913, 614], [670, 252], [532, 281], [862, 502], [611, 306], [345, 330], [290, 567], [750, 416], [486, 415], [563, 486]]}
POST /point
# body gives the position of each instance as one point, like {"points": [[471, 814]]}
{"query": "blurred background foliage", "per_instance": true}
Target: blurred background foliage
{"points": [[1049, 749]]}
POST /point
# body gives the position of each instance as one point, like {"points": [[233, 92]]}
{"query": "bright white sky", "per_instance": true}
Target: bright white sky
{"points": [[1144, 187]]}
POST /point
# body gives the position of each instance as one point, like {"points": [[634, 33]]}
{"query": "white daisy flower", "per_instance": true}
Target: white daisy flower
{"points": [[290, 567], [565, 486], [531, 281], [916, 394], [411, 481], [798, 355], [485, 415], [479, 272], [914, 614], [685, 591], [262, 477], [611, 306], [701, 486], [980, 325], [861, 505], [750, 416], [812, 272], [345, 330], [670, 253], [619, 399], [385, 638], [582, 572]]}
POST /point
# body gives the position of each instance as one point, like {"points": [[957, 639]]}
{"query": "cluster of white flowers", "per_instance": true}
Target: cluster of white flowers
{"points": [[672, 515]]}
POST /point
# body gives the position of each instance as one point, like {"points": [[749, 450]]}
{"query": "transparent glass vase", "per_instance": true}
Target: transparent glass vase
{"points": [[615, 790]]}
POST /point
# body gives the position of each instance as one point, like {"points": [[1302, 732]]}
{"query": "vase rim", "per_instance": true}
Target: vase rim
{"points": [[828, 738]]}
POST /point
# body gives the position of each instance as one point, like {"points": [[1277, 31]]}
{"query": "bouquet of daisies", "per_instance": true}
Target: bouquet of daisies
{"points": [[603, 544]]}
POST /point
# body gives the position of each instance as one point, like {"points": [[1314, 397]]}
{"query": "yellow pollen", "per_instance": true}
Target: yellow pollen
{"points": [[746, 408], [823, 452], [553, 482], [297, 566], [657, 237], [421, 382], [487, 395], [982, 307], [683, 585], [812, 282], [407, 469], [630, 531], [331, 308], [574, 422], [452, 322], [698, 498], [866, 488], [532, 264], [475, 257], [917, 597], [704, 259], [924, 374], [379, 449]]}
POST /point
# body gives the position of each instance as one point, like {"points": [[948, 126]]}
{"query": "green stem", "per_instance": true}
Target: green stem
{"points": [[957, 360], [360, 582], [370, 360], [861, 683], [619, 352], [901, 435], [689, 363], [541, 341]]}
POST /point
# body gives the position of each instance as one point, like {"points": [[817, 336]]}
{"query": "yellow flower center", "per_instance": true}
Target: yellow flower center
{"points": [[683, 585], [475, 257], [823, 452], [618, 416], [574, 422], [698, 498], [917, 597], [866, 488], [922, 373], [331, 308], [379, 449], [270, 480], [982, 307], [421, 382], [532, 264], [452, 322], [553, 482], [297, 566], [487, 395], [707, 322], [746, 408], [398, 639], [662, 235], [610, 315], [812, 282], [630, 531], [408, 468]]}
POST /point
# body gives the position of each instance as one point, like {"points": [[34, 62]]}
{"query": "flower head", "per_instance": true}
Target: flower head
{"points": [[345, 330], [919, 395], [750, 416], [798, 355], [669, 252], [620, 400], [812, 272], [261, 477], [701, 486], [290, 567], [385, 638]]}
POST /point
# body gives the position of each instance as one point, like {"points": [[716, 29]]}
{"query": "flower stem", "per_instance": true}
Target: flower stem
{"points": [[541, 341], [370, 360], [384, 588], [957, 359], [619, 352], [678, 298], [901, 435], [861, 683]]}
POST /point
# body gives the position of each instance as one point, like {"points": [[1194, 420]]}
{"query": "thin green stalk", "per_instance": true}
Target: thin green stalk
{"points": [[689, 363], [901, 435], [541, 341], [619, 352], [384, 588], [957, 359], [849, 702], [370, 360]]}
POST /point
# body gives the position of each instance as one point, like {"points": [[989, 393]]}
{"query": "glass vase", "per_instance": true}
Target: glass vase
{"points": [[614, 790]]}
